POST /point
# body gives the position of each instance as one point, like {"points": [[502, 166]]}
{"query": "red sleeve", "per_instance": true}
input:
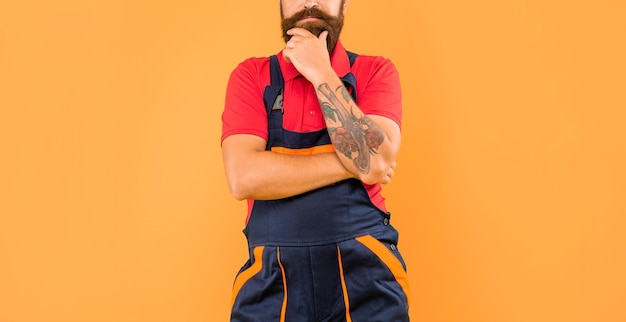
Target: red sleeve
{"points": [[378, 87], [244, 110]]}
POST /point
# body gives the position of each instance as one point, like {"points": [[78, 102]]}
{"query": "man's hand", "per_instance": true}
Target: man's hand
{"points": [[309, 54]]}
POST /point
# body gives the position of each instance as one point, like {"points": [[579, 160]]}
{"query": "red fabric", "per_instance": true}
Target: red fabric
{"points": [[378, 93]]}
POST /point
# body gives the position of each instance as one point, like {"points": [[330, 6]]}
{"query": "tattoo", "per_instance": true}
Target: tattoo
{"points": [[351, 133]]}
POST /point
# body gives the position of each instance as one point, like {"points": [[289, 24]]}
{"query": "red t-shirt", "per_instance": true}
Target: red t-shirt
{"points": [[378, 92]]}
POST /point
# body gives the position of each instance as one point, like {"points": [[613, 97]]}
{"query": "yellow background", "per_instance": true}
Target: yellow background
{"points": [[509, 195]]}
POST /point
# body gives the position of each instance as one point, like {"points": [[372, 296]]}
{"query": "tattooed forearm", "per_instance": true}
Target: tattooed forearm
{"points": [[351, 131]]}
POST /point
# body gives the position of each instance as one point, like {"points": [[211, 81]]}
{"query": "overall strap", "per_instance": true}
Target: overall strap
{"points": [[352, 57], [275, 89], [273, 97], [350, 79]]}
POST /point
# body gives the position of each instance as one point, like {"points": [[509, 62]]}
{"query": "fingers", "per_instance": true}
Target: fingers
{"points": [[323, 36], [387, 178], [299, 32], [302, 43], [390, 173], [308, 53]]}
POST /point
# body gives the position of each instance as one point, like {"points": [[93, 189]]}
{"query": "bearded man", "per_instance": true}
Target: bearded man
{"points": [[309, 135]]}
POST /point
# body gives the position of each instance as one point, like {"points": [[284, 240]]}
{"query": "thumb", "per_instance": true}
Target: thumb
{"points": [[323, 36]]}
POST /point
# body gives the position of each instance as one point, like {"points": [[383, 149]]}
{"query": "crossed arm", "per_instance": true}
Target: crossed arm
{"points": [[365, 145], [253, 173]]}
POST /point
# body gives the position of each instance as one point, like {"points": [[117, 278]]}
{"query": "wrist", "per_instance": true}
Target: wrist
{"points": [[327, 76]]}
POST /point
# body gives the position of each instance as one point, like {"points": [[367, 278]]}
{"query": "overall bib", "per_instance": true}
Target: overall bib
{"points": [[326, 255]]}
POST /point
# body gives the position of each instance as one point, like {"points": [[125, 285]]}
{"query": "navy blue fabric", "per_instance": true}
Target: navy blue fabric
{"points": [[273, 93], [263, 291], [374, 293], [315, 218], [352, 57], [313, 283]]}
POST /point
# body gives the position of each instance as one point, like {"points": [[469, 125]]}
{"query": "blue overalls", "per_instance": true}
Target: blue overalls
{"points": [[325, 255]]}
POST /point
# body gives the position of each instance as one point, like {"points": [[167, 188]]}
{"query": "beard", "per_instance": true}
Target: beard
{"points": [[326, 22]]}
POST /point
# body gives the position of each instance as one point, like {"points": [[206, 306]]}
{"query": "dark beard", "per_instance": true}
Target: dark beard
{"points": [[326, 22]]}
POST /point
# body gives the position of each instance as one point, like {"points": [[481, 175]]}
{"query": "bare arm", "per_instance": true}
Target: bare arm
{"points": [[366, 145], [253, 173]]}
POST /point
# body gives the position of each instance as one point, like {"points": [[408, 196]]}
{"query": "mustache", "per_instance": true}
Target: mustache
{"points": [[308, 13]]}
